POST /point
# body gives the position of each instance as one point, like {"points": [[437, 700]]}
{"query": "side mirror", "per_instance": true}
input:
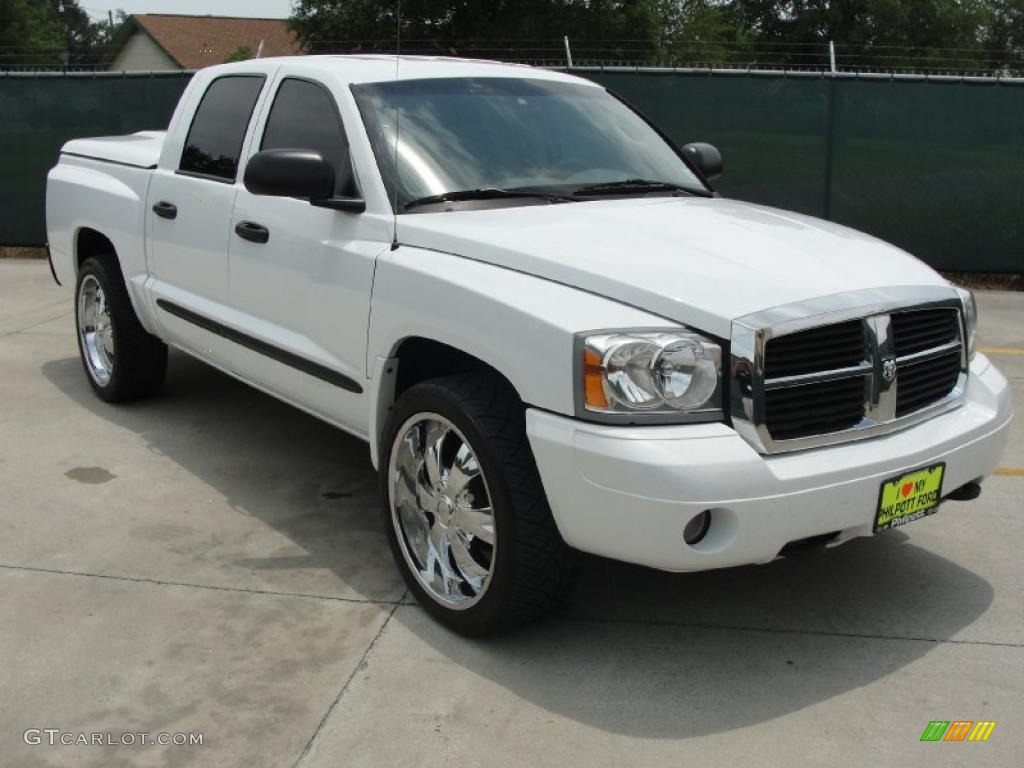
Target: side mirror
{"points": [[301, 173], [706, 158], [289, 173]]}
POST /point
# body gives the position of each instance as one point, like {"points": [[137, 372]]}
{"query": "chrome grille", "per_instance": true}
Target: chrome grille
{"points": [[922, 382], [923, 329], [812, 409], [818, 374], [818, 349], [927, 345]]}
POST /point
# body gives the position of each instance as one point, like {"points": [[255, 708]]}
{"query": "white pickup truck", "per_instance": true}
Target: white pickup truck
{"points": [[553, 334]]}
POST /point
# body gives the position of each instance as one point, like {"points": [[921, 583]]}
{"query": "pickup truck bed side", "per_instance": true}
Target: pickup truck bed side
{"points": [[89, 194]]}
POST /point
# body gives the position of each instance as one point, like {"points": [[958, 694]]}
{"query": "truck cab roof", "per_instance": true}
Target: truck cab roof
{"points": [[373, 68]]}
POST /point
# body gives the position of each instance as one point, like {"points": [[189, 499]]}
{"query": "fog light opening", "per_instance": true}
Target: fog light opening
{"points": [[697, 528]]}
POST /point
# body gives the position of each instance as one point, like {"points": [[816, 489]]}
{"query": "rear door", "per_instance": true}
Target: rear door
{"points": [[191, 197]]}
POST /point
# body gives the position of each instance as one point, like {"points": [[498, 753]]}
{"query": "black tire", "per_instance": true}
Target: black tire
{"points": [[140, 359], [535, 570]]}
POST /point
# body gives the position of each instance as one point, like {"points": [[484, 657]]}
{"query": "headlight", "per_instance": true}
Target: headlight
{"points": [[970, 318], [656, 376]]}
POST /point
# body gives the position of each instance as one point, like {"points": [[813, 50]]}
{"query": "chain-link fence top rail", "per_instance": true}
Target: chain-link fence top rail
{"points": [[671, 53], [933, 165]]}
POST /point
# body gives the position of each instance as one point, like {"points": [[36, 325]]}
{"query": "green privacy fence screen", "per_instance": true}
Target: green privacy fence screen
{"points": [[936, 167], [38, 114]]}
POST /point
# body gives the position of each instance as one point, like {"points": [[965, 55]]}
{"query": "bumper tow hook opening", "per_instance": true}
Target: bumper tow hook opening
{"points": [[966, 492], [697, 528]]}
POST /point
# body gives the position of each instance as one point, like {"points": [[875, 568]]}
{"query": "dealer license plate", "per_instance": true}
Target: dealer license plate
{"points": [[909, 497]]}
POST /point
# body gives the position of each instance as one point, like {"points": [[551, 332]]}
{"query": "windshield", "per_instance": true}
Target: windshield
{"points": [[458, 134]]}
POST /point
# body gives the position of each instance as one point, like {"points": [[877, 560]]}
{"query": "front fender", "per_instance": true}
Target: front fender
{"points": [[520, 325]]}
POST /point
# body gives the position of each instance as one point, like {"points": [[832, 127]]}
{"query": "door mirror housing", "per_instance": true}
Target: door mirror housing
{"points": [[301, 173], [705, 157], [290, 173]]}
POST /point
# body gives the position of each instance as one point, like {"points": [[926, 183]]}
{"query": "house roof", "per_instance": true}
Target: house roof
{"points": [[199, 41]]}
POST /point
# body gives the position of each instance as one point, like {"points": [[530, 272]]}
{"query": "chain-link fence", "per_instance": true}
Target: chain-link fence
{"points": [[822, 56], [933, 164]]}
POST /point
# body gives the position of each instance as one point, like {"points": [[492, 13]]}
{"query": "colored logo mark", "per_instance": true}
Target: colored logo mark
{"points": [[958, 730]]}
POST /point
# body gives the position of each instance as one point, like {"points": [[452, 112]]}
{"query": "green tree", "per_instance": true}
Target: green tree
{"points": [[241, 53], [503, 28], [902, 34], [1005, 33], [703, 32], [27, 28], [870, 34], [48, 33]]}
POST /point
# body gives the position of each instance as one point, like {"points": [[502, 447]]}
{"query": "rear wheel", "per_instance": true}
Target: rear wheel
{"points": [[121, 360], [465, 512]]}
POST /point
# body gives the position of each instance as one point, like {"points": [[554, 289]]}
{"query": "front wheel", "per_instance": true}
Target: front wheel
{"points": [[465, 512]]}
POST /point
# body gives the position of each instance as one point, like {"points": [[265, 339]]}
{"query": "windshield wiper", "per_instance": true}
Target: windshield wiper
{"points": [[483, 193], [627, 186]]}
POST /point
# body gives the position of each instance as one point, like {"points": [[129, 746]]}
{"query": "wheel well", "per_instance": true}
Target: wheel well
{"points": [[91, 243], [420, 359]]}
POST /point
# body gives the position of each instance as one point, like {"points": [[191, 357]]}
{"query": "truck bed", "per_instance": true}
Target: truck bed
{"points": [[141, 150], [99, 185]]}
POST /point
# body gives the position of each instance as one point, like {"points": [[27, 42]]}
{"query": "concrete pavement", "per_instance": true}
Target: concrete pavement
{"points": [[211, 561]]}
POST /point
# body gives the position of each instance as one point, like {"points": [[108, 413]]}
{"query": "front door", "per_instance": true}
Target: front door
{"points": [[303, 274]]}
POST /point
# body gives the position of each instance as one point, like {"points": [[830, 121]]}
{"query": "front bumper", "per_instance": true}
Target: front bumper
{"points": [[628, 492]]}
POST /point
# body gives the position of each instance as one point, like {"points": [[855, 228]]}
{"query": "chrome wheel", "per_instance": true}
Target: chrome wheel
{"points": [[441, 510], [95, 331]]}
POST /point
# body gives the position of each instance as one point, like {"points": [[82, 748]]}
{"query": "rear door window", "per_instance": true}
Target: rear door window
{"points": [[214, 141]]}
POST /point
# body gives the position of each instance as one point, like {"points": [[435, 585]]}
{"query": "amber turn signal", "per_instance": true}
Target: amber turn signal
{"points": [[593, 375]]}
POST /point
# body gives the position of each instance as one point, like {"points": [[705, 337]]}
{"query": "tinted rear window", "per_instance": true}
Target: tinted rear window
{"points": [[214, 141]]}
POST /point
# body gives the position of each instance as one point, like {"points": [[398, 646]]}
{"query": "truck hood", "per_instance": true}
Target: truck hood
{"points": [[701, 262]]}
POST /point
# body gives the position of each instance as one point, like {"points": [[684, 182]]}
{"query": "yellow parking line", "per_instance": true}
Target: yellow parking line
{"points": [[1010, 471], [1001, 351]]}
